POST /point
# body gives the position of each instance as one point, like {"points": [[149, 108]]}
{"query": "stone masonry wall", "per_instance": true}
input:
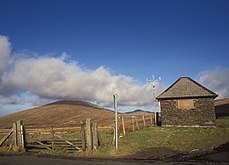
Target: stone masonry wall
{"points": [[203, 113]]}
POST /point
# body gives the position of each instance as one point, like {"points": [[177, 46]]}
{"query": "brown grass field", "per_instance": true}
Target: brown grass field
{"points": [[62, 114]]}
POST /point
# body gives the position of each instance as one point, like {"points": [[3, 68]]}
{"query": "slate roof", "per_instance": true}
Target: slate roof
{"points": [[185, 87]]}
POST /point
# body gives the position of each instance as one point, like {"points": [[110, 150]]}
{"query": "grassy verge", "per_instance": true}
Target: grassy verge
{"points": [[154, 142]]}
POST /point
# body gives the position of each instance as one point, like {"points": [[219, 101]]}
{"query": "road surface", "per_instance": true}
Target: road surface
{"points": [[34, 160]]}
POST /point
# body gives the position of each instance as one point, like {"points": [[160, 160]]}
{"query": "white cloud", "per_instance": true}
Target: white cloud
{"points": [[48, 77], [5, 49], [216, 80]]}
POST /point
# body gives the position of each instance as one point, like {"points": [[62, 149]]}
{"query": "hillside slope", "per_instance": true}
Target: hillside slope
{"points": [[59, 114]]}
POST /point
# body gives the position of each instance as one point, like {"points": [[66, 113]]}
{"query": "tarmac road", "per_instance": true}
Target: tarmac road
{"points": [[33, 160]]}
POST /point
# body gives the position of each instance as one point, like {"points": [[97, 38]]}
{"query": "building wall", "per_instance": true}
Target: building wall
{"points": [[201, 113]]}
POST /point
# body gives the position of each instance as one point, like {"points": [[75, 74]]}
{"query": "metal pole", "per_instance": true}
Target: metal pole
{"points": [[154, 107], [116, 120]]}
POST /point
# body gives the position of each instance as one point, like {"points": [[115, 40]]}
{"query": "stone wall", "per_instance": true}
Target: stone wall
{"points": [[203, 113]]}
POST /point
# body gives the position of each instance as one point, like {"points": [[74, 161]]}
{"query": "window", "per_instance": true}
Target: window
{"points": [[185, 104]]}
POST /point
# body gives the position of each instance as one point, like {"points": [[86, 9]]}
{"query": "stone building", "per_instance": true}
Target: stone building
{"points": [[187, 103]]}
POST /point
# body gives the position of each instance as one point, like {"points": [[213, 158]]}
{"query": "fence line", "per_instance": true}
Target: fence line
{"points": [[131, 123]]}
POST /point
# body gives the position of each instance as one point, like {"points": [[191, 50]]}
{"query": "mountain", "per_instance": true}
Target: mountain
{"points": [[60, 114]]}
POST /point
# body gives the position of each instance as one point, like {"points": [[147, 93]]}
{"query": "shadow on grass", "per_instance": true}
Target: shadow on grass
{"points": [[222, 148], [154, 153], [217, 154]]}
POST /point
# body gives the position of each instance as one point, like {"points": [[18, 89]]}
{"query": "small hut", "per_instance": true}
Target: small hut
{"points": [[187, 103]]}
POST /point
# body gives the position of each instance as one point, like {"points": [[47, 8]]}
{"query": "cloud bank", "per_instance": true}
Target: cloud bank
{"points": [[217, 80], [56, 78]]}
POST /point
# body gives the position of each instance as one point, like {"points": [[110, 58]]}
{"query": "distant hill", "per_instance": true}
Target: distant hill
{"points": [[222, 107], [60, 114], [79, 103], [138, 112]]}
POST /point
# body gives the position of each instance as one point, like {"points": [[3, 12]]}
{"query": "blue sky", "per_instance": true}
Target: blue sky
{"points": [[131, 39]]}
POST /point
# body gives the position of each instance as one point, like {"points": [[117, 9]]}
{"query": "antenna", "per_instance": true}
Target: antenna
{"points": [[153, 81]]}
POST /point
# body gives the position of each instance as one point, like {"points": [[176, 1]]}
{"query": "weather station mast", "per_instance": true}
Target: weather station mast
{"points": [[154, 81], [115, 96]]}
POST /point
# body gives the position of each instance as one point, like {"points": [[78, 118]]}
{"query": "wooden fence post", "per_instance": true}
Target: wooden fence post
{"points": [[83, 136], [19, 140], [53, 135], [151, 120], [133, 128], [95, 136], [23, 142], [88, 134], [144, 122], [136, 118], [123, 127], [15, 134]]}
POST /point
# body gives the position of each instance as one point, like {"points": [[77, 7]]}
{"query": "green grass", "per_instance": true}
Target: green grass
{"points": [[223, 122], [168, 140]]}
